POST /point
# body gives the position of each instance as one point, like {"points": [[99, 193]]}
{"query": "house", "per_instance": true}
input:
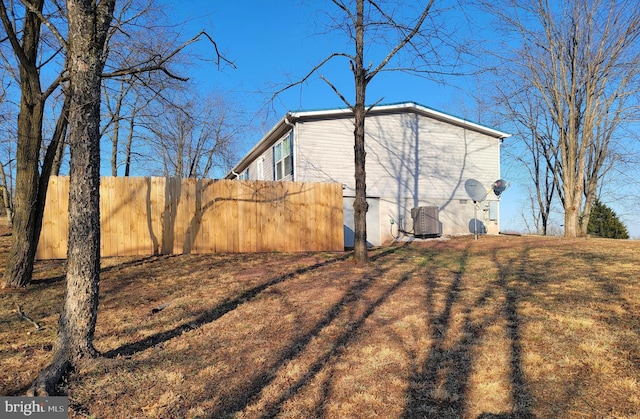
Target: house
{"points": [[416, 157]]}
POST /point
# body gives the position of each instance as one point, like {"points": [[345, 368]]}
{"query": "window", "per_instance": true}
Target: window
{"points": [[260, 168], [244, 175], [283, 158]]}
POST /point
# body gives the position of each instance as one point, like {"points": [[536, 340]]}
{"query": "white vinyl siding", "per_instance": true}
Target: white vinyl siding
{"points": [[325, 151], [261, 168], [411, 161], [407, 155]]}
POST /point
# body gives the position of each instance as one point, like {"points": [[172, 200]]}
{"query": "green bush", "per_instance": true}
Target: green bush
{"points": [[604, 222]]}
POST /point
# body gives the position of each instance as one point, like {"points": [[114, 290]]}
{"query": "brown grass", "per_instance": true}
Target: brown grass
{"points": [[502, 327]]}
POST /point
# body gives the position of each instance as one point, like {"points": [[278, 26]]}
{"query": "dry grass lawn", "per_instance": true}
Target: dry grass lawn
{"points": [[502, 327]]}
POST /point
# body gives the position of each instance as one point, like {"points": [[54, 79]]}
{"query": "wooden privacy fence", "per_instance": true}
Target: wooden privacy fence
{"points": [[152, 215]]}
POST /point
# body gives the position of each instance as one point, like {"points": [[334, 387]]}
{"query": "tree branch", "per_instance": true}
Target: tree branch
{"points": [[403, 42], [27, 318], [310, 73], [46, 22], [160, 65], [337, 92], [13, 38]]}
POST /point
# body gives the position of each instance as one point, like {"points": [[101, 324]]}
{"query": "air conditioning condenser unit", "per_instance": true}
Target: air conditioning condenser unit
{"points": [[425, 222]]}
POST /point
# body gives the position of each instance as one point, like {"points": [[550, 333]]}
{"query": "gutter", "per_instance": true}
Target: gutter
{"points": [[263, 144]]}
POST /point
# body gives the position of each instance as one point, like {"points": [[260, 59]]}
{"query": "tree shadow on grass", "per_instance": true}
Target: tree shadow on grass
{"points": [[427, 395], [213, 314], [348, 333], [438, 387], [520, 392], [129, 264]]}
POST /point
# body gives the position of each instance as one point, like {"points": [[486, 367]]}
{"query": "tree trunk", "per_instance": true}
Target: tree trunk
{"points": [[19, 265], [116, 131], [31, 185], [21, 256], [132, 126], [572, 200], [589, 199], [33, 195], [6, 197], [88, 25], [360, 206]]}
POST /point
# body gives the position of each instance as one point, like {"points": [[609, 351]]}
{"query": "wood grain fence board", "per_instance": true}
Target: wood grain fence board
{"points": [[313, 221], [125, 215], [303, 202], [59, 219], [216, 214], [258, 195], [276, 219], [116, 231], [51, 216], [105, 224], [268, 229], [294, 214], [47, 227], [146, 216], [324, 217], [208, 199], [63, 221], [154, 209], [137, 222], [203, 233], [196, 222], [233, 214], [242, 207], [337, 215]]}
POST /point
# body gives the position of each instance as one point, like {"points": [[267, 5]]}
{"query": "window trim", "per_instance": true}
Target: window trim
{"points": [[280, 145], [260, 168]]}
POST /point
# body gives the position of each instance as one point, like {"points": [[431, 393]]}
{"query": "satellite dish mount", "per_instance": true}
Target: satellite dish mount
{"points": [[477, 193]]}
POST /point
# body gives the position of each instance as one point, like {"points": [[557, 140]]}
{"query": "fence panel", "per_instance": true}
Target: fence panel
{"points": [[151, 215]]}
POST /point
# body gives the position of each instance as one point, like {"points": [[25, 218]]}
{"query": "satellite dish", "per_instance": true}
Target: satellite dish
{"points": [[499, 186], [478, 193], [475, 190]]}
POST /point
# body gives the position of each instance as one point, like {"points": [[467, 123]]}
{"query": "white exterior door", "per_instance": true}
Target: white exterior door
{"points": [[373, 221]]}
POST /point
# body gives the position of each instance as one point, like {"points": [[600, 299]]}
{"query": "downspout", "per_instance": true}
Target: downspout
{"points": [[286, 121], [294, 149]]}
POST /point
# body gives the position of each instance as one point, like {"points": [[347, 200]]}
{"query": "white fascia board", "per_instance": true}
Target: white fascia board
{"points": [[454, 120], [458, 121], [270, 137]]}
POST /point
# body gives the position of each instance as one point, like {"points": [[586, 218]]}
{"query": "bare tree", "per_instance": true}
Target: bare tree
{"points": [[6, 181], [196, 137], [537, 153], [88, 27], [88, 32], [31, 179], [26, 44], [393, 26], [128, 96], [581, 59]]}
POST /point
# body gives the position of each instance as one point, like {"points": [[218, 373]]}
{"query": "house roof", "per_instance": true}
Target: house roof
{"points": [[285, 124]]}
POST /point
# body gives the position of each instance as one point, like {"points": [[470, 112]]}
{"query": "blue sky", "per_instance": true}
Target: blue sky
{"points": [[272, 43]]}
